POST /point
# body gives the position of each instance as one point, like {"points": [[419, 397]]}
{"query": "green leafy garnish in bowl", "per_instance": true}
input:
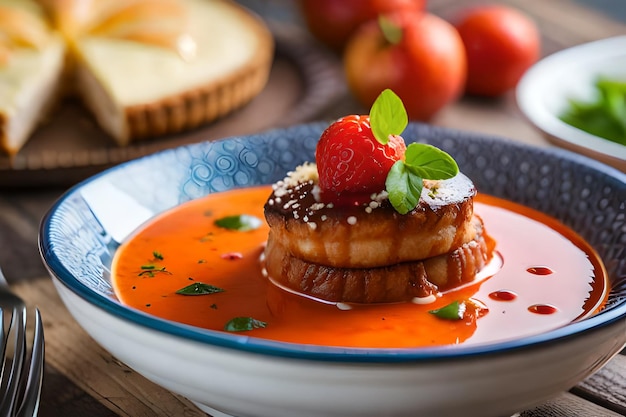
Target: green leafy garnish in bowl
{"points": [[604, 117], [241, 222]]}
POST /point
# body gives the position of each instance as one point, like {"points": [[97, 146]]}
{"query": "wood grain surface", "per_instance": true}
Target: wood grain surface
{"points": [[82, 379]]}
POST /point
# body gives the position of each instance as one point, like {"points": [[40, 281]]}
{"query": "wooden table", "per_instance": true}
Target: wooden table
{"points": [[82, 379]]}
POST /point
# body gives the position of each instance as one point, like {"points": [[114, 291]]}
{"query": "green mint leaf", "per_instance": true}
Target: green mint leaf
{"points": [[404, 188], [405, 179], [242, 222], [388, 116], [199, 288], [453, 311], [429, 162], [242, 324], [392, 32]]}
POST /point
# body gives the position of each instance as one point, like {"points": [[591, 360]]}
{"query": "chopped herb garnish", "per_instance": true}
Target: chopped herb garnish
{"points": [[151, 269], [405, 180], [207, 238], [242, 324], [157, 255], [453, 311], [201, 261], [213, 306], [241, 222], [432, 193], [199, 288]]}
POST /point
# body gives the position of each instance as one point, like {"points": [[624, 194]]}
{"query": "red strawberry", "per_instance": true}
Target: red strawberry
{"points": [[350, 160]]}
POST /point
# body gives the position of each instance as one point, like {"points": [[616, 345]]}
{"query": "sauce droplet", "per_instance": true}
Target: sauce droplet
{"points": [[232, 256], [540, 270], [542, 309], [503, 295]]}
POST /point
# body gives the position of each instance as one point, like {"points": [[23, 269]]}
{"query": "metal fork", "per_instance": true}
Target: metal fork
{"points": [[20, 378]]}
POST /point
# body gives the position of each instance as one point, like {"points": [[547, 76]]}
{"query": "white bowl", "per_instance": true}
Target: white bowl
{"points": [[544, 91], [238, 375]]}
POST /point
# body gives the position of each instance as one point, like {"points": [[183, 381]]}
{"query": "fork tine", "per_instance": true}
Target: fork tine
{"points": [[18, 322], [3, 345], [30, 402]]}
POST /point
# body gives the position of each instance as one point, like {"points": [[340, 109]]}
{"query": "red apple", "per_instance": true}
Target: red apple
{"points": [[501, 44], [333, 21], [424, 65]]}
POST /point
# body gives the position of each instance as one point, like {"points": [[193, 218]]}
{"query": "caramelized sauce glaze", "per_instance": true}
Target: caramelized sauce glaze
{"points": [[194, 249]]}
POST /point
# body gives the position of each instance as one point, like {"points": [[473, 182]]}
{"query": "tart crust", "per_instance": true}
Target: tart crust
{"points": [[202, 105], [189, 108]]}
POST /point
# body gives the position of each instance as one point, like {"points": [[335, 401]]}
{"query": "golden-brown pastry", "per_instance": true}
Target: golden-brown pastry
{"points": [[403, 281], [374, 234], [369, 253]]}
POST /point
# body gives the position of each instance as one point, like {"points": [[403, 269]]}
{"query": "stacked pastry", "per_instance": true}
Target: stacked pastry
{"points": [[368, 252]]}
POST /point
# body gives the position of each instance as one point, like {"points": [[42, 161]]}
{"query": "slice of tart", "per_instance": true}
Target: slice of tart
{"points": [[31, 68], [147, 68]]}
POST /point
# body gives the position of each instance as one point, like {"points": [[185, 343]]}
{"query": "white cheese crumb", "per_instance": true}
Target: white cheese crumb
{"points": [[302, 173], [317, 192]]}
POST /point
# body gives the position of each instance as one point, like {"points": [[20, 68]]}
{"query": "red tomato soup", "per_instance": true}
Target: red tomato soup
{"points": [[544, 276]]}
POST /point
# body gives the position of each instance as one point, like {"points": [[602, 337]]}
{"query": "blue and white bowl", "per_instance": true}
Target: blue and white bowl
{"points": [[237, 375]]}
